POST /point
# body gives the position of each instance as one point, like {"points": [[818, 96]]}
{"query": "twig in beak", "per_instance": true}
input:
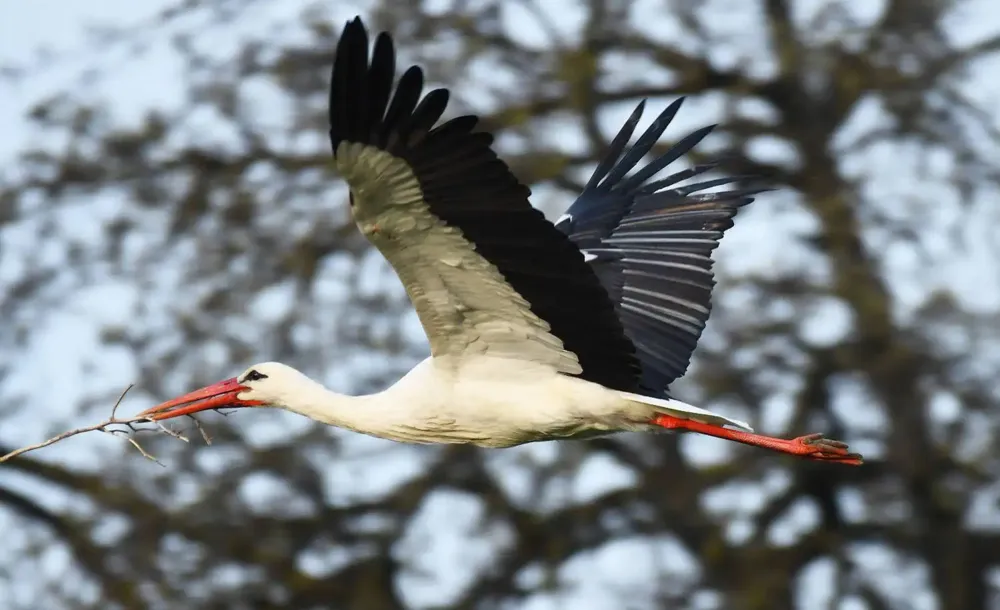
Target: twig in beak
{"points": [[107, 427]]}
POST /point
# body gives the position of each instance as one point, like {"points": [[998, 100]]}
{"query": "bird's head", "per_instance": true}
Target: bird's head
{"points": [[269, 384]]}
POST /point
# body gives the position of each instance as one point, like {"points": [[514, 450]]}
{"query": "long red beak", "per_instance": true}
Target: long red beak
{"points": [[215, 396]]}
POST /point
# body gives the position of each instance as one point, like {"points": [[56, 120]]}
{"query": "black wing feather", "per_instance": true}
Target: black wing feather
{"points": [[651, 247], [383, 69], [616, 148]]}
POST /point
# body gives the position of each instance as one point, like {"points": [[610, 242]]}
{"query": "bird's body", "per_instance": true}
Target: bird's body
{"points": [[485, 401], [494, 402], [538, 331]]}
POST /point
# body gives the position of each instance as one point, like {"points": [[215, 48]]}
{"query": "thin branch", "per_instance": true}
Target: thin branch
{"points": [[121, 397], [170, 432], [135, 444], [204, 434], [107, 426]]}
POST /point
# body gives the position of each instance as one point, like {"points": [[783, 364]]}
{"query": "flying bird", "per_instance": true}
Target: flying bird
{"points": [[537, 330]]}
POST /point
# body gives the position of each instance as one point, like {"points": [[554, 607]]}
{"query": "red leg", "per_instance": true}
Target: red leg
{"points": [[811, 446]]}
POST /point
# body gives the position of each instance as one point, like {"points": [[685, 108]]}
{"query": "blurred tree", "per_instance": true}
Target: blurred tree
{"points": [[181, 244]]}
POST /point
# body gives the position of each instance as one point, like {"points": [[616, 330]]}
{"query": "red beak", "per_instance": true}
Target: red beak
{"points": [[215, 396]]}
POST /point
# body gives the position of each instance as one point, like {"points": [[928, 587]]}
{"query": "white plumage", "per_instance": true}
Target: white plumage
{"points": [[537, 331], [470, 400]]}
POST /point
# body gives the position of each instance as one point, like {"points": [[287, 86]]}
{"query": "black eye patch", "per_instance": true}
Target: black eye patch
{"points": [[254, 375]]}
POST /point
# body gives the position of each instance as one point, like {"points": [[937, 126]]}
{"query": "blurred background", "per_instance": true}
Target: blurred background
{"points": [[169, 215]]}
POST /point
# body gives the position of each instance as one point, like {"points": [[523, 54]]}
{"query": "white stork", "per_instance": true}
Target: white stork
{"points": [[538, 331]]}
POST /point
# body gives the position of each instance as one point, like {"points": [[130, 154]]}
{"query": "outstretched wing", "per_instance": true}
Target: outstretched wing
{"points": [[486, 272], [650, 242]]}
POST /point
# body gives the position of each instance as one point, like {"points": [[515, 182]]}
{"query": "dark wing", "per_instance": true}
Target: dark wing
{"points": [[650, 242], [486, 272]]}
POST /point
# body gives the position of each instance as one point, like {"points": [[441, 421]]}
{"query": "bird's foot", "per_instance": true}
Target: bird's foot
{"points": [[818, 447]]}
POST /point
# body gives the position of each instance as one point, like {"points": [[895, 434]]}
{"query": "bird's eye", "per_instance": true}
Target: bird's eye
{"points": [[254, 375]]}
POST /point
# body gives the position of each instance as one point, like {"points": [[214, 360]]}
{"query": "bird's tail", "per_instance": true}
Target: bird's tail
{"points": [[682, 410]]}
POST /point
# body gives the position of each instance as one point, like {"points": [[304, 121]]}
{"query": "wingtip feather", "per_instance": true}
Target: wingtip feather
{"points": [[616, 147]]}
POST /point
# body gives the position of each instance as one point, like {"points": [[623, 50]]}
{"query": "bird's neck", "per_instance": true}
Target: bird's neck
{"points": [[367, 414]]}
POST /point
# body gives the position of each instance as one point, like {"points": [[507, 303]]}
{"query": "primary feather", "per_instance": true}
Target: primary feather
{"points": [[651, 244]]}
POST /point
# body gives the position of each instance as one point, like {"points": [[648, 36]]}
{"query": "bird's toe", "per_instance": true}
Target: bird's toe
{"points": [[818, 447]]}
